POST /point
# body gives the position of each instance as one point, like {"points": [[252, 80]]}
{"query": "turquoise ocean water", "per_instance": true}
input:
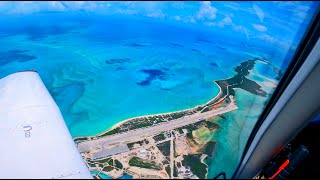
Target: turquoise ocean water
{"points": [[234, 132], [99, 75], [102, 71]]}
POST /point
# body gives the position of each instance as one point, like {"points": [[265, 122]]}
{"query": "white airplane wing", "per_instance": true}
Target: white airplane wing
{"points": [[35, 142]]}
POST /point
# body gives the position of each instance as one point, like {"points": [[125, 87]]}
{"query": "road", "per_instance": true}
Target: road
{"points": [[134, 135]]}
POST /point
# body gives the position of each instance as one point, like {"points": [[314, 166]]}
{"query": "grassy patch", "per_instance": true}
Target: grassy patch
{"points": [[113, 131], [159, 137], [190, 135], [108, 168], [212, 125], [118, 164], [135, 161], [164, 148], [141, 125], [111, 163], [209, 148], [81, 139], [168, 170], [198, 168], [130, 145]]}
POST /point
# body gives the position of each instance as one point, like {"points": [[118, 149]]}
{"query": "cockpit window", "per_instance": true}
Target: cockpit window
{"points": [[156, 89]]}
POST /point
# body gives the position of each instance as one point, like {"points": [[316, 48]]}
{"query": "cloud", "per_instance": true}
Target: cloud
{"points": [[190, 19], [246, 32], [207, 11], [178, 18], [127, 11], [298, 11], [209, 23], [267, 38], [157, 14], [240, 28], [232, 5], [259, 12], [284, 44], [260, 27], [27, 7], [225, 21]]}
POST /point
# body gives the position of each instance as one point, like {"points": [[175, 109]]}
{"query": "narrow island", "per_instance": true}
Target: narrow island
{"points": [[167, 145]]}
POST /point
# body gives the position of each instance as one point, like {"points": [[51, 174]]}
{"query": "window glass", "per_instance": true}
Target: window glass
{"points": [[156, 89]]}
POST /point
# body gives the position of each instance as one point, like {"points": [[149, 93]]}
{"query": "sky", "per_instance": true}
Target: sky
{"points": [[271, 22]]}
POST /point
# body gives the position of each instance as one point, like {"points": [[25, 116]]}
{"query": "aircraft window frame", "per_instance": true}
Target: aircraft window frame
{"points": [[307, 44]]}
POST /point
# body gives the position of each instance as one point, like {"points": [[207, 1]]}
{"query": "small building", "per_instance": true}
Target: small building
{"points": [[185, 171], [167, 134], [179, 158], [143, 153]]}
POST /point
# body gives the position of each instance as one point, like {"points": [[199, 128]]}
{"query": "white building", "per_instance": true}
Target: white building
{"points": [[143, 153], [185, 171]]}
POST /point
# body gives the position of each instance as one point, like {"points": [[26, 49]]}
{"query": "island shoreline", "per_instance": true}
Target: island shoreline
{"points": [[144, 116]]}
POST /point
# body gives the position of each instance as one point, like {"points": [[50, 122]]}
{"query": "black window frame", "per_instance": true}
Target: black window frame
{"points": [[304, 48]]}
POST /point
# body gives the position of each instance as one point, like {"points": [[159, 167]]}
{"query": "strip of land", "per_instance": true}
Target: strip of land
{"points": [[162, 145], [118, 139]]}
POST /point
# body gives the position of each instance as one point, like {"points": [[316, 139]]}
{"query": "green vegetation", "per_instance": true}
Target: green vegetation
{"points": [[175, 170], [118, 164], [179, 164], [178, 115], [142, 125], [199, 108], [168, 170], [180, 131], [159, 137], [164, 148], [113, 131], [194, 126], [135, 161], [211, 125], [91, 164], [130, 145], [111, 162], [190, 135], [209, 148], [108, 168], [198, 168], [164, 162], [81, 139]]}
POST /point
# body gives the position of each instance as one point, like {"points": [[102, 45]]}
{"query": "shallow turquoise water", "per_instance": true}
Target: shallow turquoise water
{"points": [[104, 176], [234, 132], [237, 126], [99, 75], [126, 176], [95, 74]]}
